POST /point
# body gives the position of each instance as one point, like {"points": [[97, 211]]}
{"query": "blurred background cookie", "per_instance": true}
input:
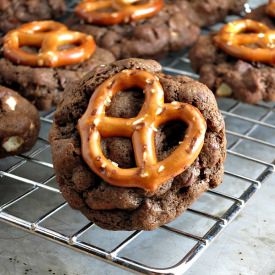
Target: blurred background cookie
{"points": [[242, 69], [205, 13], [19, 123], [16, 12], [166, 29], [39, 74]]}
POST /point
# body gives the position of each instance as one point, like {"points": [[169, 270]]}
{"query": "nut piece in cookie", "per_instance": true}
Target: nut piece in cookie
{"points": [[14, 13], [19, 123], [238, 61], [138, 28], [41, 57], [133, 148]]}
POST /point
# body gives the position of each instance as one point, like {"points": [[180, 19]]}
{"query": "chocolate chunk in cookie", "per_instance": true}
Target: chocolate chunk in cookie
{"points": [[97, 191], [19, 123]]}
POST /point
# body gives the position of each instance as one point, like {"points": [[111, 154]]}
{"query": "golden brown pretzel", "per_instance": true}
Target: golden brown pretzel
{"points": [[122, 11], [270, 8], [258, 45], [48, 36], [149, 173]]}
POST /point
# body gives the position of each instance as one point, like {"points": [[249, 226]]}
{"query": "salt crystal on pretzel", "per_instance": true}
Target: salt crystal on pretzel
{"points": [[236, 38], [121, 11], [150, 173], [47, 36]]}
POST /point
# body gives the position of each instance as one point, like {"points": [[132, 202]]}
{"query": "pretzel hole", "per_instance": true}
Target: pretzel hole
{"points": [[30, 49], [68, 46], [45, 26], [109, 10], [168, 137], [46, 29], [126, 104], [119, 150], [249, 31], [103, 8], [133, 2], [139, 2], [253, 45]]}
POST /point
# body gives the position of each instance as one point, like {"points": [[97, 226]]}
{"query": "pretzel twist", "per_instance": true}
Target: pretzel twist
{"points": [[259, 45], [47, 36], [149, 173], [270, 8], [121, 11]]}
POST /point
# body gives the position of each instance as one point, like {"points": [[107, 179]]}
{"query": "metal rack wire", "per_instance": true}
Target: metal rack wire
{"points": [[251, 151]]}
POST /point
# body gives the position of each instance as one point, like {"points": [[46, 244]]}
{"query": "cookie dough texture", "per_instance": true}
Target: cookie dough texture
{"points": [[243, 80], [205, 13], [44, 86], [16, 12], [19, 123], [119, 208], [169, 30]]}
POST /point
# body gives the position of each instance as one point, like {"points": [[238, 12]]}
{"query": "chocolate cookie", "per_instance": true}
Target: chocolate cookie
{"points": [[229, 76], [129, 208], [205, 13], [168, 30], [15, 12], [43, 86], [19, 123], [259, 14]]}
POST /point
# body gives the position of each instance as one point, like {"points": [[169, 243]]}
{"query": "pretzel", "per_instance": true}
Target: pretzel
{"points": [[270, 8], [235, 40], [149, 173], [48, 36], [122, 11]]}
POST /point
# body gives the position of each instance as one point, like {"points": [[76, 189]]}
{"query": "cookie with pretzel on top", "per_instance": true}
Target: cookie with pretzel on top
{"points": [[205, 13], [238, 61], [135, 28], [40, 58], [264, 13], [133, 148], [13, 13], [19, 123]]}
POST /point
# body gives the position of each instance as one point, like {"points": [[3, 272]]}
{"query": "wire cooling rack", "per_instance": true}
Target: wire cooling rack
{"points": [[30, 199]]}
